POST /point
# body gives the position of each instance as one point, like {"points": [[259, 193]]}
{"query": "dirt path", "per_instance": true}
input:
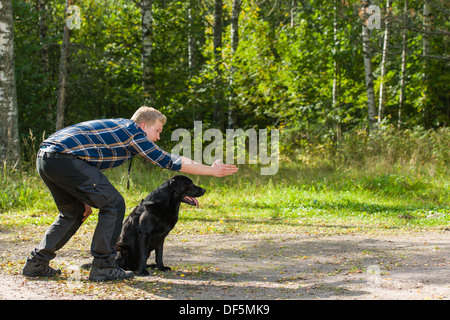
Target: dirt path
{"points": [[257, 266]]}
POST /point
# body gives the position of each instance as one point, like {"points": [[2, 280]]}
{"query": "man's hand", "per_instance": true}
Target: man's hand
{"points": [[222, 170], [217, 169], [87, 212]]}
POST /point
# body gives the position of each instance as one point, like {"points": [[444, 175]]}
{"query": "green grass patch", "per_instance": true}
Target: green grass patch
{"points": [[319, 198]]}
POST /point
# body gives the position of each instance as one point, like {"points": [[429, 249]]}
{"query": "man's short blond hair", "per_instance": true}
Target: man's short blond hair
{"points": [[148, 115]]}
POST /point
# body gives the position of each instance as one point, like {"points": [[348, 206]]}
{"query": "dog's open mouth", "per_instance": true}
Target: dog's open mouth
{"points": [[191, 201]]}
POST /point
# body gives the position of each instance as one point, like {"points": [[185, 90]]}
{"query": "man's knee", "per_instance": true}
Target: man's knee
{"points": [[119, 205], [72, 211]]}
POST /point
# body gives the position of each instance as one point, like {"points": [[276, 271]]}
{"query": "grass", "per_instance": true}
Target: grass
{"points": [[401, 187], [320, 198], [307, 199]]}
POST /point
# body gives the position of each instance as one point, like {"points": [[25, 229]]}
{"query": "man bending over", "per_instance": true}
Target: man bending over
{"points": [[71, 161]]}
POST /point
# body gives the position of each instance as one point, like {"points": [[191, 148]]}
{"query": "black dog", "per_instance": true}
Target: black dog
{"points": [[150, 222]]}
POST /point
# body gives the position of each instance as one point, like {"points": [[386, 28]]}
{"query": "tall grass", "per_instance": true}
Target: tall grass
{"points": [[391, 180]]}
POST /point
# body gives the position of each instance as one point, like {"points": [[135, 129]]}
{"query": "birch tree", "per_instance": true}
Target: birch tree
{"points": [[383, 64], [9, 128], [148, 74], [426, 53], [403, 71], [336, 70], [372, 112], [234, 45], [63, 74], [218, 12], [191, 42], [292, 12]]}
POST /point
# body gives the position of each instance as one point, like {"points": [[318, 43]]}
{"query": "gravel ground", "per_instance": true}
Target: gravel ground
{"points": [[402, 265]]}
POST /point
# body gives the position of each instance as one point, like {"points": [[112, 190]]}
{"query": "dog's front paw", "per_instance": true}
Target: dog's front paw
{"points": [[164, 268], [160, 268]]}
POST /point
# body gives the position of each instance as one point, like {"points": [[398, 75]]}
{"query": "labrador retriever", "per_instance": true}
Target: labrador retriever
{"points": [[145, 229]]}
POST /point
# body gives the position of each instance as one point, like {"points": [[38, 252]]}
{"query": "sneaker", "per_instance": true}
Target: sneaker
{"points": [[106, 273], [39, 268]]}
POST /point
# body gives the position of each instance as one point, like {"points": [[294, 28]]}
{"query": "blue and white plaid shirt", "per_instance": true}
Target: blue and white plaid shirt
{"points": [[106, 144]]}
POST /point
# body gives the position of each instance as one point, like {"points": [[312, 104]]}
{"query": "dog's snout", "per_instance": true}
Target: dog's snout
{"points": [[199, 191]]}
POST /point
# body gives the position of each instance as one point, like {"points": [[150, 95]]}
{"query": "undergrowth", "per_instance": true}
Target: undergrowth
{"points": [[382, 182]]}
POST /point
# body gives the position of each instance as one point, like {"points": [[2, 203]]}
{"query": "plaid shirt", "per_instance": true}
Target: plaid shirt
{"points": [[106, 144]]}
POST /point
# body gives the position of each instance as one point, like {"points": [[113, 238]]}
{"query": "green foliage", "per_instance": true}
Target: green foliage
{"points": [[387, 181], [282, 72]]}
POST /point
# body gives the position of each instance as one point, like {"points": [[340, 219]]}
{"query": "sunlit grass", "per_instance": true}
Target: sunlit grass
{"points": [[298, 196]]}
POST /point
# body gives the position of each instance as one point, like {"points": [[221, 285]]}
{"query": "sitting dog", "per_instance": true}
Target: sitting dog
{"points": [[151, 221]]}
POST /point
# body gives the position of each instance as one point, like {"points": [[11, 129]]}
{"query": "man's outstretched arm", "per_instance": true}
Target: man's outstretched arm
{"points": [[217, 169]]}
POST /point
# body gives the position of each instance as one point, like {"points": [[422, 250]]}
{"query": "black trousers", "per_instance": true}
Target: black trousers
{"points": [[73, 182]]}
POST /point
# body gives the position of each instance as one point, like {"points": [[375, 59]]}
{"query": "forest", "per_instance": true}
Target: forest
{"points": [[357, 91], [317, 70]]}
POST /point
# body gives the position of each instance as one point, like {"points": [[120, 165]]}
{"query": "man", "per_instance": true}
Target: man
{"points": [[71, 161]]}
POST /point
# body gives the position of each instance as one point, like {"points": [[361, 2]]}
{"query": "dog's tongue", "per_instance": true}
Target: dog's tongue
{"points": [[194, 200]]}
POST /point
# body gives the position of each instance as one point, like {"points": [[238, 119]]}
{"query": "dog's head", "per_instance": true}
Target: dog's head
{"points": [[186, 190], [179, 189]]}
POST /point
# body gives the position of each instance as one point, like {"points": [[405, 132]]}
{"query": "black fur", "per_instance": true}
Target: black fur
{"points": [[151, 221]]}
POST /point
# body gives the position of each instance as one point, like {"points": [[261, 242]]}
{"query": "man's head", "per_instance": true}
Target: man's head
{"points": [[150, 120]]}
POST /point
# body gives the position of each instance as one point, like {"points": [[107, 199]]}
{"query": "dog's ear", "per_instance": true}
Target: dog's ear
{"points": [[159, 195], [174, 185], [180, 183]]}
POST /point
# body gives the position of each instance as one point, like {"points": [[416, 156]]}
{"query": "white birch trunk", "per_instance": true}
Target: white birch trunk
{"points": [[234, 45], [372, 112], [148, 81], [382, 98], [63, 74], [335, 50], [403, 74], [191, 46], [218, 112], [336, 72], [9, 127], [426, 46], [293, 10]]}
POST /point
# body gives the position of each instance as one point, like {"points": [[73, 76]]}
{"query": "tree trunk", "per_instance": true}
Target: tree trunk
{"points": [[191, 42], [372, 112], [402, 77], [218, 112], [63, 74], [426, 46], [336, 72], [234, 45], [382, 100], [9, 126], [334, 98], [148, 74], [293, 11]]}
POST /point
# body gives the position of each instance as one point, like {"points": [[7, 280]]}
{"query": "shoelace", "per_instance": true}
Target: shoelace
{"points": [[116, 271], [46, 269]]}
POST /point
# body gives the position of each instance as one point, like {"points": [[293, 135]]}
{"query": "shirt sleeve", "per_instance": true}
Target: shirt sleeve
{"points": [[144, 147]]}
